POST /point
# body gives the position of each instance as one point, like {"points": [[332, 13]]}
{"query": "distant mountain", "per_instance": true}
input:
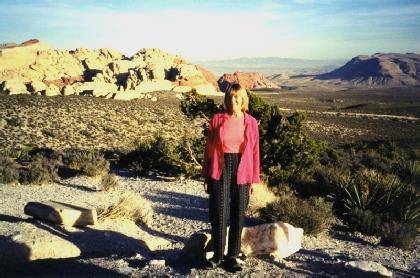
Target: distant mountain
{"points": [[271, 65], [389, 69]]}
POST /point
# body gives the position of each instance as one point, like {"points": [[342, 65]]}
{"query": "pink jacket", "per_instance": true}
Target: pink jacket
{"points": [[249, 166]]}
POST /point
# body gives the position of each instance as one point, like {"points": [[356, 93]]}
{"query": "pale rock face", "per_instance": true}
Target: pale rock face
{"points": [[21, 56], [13, 87], [127, 95], [52, 90], [100, 89], [155, 85], [148, 70], [208, 90], [38, 86], [186, 70], [68, 90], [278, 239], [182, 89]]}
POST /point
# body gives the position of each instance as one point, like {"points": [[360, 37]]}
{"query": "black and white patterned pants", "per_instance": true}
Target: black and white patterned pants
{"points": [[227, 200]]}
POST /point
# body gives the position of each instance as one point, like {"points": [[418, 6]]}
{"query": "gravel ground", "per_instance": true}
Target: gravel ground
{"points": [[180, 210]]}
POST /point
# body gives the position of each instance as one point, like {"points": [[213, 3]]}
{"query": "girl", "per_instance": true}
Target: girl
{"points": [[231, 165]]}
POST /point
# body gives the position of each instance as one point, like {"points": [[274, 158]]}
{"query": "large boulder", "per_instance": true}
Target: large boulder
{"points": [[37, 86], [154, 85], [20, 55], [13, 87], [207, 89], [277, 239], [52, 90], [127, 95]]}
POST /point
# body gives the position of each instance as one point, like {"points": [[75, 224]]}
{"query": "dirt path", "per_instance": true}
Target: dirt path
{"points": [[369, 115]]}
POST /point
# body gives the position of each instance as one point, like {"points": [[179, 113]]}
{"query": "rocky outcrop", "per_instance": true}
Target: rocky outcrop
{"points": [[102, 72], [250, 80], [379, 70], [277, 239]]}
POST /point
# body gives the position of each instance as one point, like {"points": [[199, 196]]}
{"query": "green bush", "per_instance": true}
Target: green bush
{"points": [[108, 182], [287, 153], [90, 163], [40, 170], [195, 105], [165, 156], [313, 215], [365, 221], [9, 170], [402, 235]]}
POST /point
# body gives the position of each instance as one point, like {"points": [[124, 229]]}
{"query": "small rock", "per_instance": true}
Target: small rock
{"points": [[153, 99], [126, 270], [159, 263], [370, 266], [16, 236]]}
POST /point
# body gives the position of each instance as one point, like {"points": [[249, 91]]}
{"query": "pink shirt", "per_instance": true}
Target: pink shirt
{"points": [[234, 136], [249, 166]]}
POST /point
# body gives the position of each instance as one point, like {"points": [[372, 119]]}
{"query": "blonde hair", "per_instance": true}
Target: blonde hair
{"points": [[234, 90]]}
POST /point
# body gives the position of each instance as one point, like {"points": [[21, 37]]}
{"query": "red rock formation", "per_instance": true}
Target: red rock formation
{"points": [[29, 42], [64, 81], [249, 80]]}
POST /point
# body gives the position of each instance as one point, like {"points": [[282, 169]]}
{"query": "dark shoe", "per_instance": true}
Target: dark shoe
{"points": [[232, 265], [212, 263]]}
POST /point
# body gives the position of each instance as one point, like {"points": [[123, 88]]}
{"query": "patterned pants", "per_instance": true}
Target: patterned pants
{"points": [[227, 198]]}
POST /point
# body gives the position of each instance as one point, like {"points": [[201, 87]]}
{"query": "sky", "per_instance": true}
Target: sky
{"points": [[208, 30]]}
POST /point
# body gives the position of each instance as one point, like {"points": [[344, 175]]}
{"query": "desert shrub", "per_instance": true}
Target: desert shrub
{"points": [[370, 190], [261, 197], [365, 221], [196, 105], [378, 204], [9, 170], [314, 215], [408, 171], [130, 206], [39, 170], [90, 163], [165, 156], [399, 234], [108, 182], [287, 153]]}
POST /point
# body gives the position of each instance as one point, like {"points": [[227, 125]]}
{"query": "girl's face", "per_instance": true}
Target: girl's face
{"points": [[236, 101]]}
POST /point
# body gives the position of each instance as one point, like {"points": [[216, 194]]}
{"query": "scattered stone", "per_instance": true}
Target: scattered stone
{"points": [[158, 263], [62, 213], [370, 267], [278, 239]]}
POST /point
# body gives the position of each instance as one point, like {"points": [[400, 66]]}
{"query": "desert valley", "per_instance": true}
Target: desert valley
{"points": [[123, 136]]}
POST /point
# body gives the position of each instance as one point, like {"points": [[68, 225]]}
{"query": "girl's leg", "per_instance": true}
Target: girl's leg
{"points": [[218, 212], [239, 203]]}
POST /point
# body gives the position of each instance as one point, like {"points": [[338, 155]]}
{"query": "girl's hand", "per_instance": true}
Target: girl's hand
{"points": [[251, 189], [205, 186]]}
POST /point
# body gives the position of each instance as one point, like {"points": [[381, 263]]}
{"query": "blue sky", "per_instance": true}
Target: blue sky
{"points": [[201, 30]]}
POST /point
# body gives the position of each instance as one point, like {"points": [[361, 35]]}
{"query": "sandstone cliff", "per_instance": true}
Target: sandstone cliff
{"points": [[33, 67]]}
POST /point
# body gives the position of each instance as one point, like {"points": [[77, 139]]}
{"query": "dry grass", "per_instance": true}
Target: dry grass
{"points": [[88, 123], [130, 206], [108, 182], [261, 197]]}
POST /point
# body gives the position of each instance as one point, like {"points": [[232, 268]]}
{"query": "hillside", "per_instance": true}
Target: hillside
{"points": [[392, 69]]}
